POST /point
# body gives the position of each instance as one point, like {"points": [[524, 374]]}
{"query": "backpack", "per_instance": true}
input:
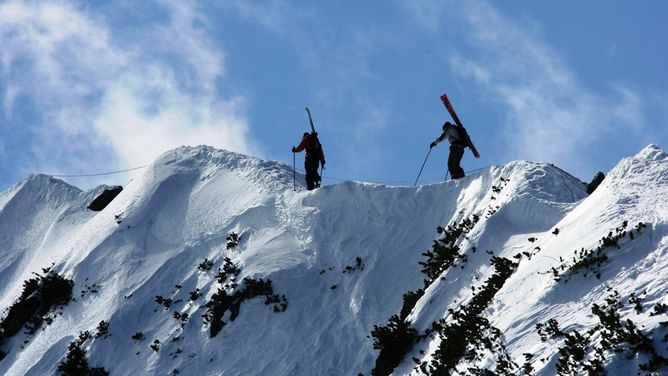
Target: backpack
{"points": [[316, 146], [462, 134]]}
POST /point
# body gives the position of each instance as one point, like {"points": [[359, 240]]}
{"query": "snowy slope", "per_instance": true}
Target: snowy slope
{"points": [[151, 239], [634, 191], [37, 215]]}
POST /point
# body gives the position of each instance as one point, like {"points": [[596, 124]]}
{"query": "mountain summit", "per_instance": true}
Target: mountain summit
{"points": [[211, 264]]}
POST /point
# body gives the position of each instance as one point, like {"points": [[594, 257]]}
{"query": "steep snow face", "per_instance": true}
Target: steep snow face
{"points": [[342, 255], [634, 192], [35, 215]]}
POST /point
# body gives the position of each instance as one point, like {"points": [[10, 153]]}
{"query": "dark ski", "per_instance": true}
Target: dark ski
{"points": [[310, 120], [313, 132], [452, 112]]}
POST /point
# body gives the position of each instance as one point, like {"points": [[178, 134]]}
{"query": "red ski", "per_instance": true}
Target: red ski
{"points": [[452, 112]]}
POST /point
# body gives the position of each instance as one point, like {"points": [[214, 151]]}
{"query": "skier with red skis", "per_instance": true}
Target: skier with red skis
{"points": [[459, 140]]}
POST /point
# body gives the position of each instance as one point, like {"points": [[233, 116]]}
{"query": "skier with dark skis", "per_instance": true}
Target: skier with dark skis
{"points": [[314, 158]]}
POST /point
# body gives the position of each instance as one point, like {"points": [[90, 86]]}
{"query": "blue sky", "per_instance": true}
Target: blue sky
{"points": [[97, 86]]}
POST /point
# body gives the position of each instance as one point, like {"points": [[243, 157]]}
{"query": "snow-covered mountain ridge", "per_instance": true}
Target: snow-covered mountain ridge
{"points": [[343, 257]]}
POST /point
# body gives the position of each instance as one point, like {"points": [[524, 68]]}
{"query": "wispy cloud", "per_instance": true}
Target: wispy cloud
{"points": [[362, 149], [278, 16], [551, 115], [336, 60], [660, 136], [137, 112], [328, 51], [111, 99]]}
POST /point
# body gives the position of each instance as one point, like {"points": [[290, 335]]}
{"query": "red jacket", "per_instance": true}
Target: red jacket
{"points": [[308, 143]]}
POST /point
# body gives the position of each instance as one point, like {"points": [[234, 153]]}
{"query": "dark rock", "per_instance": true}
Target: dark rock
{"points": [[105, 198], [595, 182]]}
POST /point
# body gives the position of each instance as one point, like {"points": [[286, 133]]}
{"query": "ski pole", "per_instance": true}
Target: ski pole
{"points": [[423, 163], [294, 167], [446, 175]]}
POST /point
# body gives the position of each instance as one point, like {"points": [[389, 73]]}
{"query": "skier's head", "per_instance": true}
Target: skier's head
{"points": [[447, 124], [305, 134]]}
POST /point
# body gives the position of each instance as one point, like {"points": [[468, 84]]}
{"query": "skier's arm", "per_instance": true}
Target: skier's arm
{"points": [[438, 140], [302, 146]]}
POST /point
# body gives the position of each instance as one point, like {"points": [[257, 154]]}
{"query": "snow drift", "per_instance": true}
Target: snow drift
{"points": [[297, 281]]}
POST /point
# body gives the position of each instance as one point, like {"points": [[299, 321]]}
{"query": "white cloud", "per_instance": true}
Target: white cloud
{"points": [[140, 126], [57, 47], [186, 35], [100, 90]]}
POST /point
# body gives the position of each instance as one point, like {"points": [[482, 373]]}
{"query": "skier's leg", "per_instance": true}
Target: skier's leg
{"points": [[308, 178], [454, 159], [311, 173], [310, 181]]}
